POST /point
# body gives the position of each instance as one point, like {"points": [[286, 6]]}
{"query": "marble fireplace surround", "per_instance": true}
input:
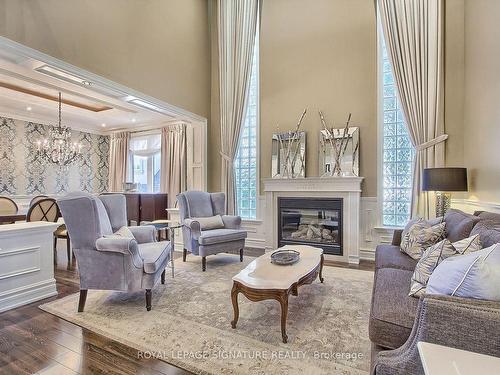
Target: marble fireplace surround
{"points": [[348, 188]]}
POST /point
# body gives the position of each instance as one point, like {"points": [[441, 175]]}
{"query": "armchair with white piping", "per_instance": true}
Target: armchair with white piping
{"points": [[222, 234]]}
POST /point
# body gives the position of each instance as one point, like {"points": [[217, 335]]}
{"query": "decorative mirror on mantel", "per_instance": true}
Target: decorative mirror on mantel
{"points": [[289, 154], [339, 152]]}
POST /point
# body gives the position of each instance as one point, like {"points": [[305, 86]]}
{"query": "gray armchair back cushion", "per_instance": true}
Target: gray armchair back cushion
{"points": [[218, 203], [201, 204], [116, 207], [86, 219], [195, 204]]}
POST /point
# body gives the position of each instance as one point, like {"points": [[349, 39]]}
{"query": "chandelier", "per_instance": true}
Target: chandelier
{"points": [[58, 148]]}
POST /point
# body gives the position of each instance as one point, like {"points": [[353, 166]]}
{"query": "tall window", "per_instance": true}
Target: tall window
{"points": [[397, 152], [145, 155], [245, 165]]}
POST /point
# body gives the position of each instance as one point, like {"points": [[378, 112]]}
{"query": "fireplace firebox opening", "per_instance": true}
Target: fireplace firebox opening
{"points": [[311, 221]]}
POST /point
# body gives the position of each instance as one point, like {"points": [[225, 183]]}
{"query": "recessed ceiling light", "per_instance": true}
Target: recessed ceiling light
{"points": [[28, 108], [103, 125], [133, 120], [61, 74], [144, 104]]}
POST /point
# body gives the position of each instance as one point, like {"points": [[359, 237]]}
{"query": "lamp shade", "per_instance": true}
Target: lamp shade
{"points": [[444, 179]]}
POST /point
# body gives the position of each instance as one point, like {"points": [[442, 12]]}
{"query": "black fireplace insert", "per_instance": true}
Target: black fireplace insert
{"points": [[311, 221]]}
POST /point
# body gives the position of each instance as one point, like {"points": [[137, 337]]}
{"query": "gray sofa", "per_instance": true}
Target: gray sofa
{"points": [[398, 322], [112, 263]]}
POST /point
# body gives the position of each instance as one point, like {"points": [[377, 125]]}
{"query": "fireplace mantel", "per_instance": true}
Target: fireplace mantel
{"points": [[347, 188], [313, 184]]}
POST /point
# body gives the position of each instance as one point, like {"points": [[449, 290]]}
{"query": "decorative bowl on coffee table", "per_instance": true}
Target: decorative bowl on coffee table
{"points": [[285, 257]]}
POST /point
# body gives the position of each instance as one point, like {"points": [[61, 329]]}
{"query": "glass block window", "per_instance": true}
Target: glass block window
{"points": [[245, 164], [397, 153]]}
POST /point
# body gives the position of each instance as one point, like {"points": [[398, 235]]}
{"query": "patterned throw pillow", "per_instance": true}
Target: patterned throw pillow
{"points": [[435, 255], [421, 222], [420, 237]]}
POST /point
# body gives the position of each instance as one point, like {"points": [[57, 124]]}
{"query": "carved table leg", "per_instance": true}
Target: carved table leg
{"points": [[234, 299], [321, 268], [283, 300], [295, 290]]}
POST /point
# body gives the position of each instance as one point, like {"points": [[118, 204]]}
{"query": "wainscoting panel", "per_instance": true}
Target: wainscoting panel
{"points": [[21, 173], [469, 205]]}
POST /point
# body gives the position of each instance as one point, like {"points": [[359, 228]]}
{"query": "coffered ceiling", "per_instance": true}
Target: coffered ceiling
{"points": [[29, 90]]}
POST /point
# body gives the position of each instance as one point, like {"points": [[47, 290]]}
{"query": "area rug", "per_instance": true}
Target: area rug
{"points": [[189, 325]]}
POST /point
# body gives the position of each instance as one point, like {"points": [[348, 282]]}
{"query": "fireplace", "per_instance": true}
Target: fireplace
{"points": [[311, 221]]}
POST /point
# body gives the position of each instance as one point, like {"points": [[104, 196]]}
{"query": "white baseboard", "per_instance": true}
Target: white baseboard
{"points": [[27, 294], [367, 254]]}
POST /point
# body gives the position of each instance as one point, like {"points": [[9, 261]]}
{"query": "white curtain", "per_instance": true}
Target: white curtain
{"points": [[173, 161], [236, 26], [118, 160], [414, 33]]}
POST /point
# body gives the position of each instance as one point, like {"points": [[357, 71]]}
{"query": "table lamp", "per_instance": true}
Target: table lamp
{"points": [[443, 181]]}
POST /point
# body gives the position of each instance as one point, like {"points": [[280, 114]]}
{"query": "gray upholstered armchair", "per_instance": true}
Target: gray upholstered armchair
{"points": [[106, 261], [206, 228]]}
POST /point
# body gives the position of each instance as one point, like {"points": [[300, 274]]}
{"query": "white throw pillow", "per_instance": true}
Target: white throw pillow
{"points": [[420, 237], [434, 255], [210, 222], [475, 275], [123, 232]]}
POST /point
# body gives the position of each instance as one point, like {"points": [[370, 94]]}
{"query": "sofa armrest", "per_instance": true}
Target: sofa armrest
{"points": [[117, 245], [194, 227], [231, 222], [144, 233], [462, 323], [396, 237]]}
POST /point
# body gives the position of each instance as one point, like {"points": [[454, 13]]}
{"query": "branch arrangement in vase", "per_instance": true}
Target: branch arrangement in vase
{"points": [[291, 146], [337, 144]]}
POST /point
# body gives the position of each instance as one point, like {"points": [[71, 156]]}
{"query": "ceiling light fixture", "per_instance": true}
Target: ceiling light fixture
{"points": [[59, 149], [61, 74], [133, 120], [28, 108], [103, 125], [144, 104]]}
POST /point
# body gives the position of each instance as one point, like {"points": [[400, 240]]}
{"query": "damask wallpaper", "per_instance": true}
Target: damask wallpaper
{"points": [[21, 173]]}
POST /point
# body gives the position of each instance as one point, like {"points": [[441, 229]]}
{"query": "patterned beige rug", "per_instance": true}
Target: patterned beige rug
{"points": [[189, 325]]}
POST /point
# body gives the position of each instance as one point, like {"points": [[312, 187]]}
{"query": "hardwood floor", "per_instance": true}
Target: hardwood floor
{"points": [[33, 341]]}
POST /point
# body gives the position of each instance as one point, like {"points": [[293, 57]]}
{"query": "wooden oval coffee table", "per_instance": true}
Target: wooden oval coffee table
{"points": [[262, 280]]}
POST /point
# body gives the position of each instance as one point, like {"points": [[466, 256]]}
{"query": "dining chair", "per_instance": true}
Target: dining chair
{"points": [[8, 207], [46, 209], [37, 198]]}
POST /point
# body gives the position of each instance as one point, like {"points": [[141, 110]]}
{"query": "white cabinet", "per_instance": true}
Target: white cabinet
{"points": [[26, 263]]}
